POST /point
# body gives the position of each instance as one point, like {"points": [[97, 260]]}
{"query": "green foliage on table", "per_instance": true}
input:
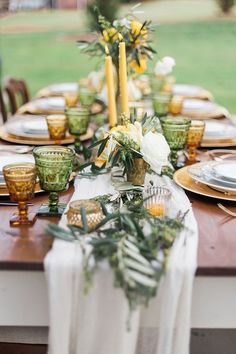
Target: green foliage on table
{"points": [[135, 244]]}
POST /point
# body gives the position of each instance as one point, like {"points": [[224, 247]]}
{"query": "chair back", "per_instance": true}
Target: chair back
{"points": [[17, 92], [3, 110]]}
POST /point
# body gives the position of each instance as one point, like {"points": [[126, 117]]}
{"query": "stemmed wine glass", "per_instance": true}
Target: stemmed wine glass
{"points": [[20, 180], [175, 130], [54, 167]]}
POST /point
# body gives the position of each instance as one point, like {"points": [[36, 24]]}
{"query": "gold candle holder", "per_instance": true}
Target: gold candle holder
{"points": [[156, 200], [194, 139], [93, 212], [71, 99], [20, 180], [57, 126]]}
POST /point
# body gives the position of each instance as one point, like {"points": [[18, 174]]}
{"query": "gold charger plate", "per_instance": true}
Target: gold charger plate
{"points": [[218, 143], [184, 180], [31, 107], [4, 135]]}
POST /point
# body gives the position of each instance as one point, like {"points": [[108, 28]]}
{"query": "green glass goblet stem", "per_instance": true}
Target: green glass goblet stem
{"points": [[78, 121], [54, 167], [175, 131]]}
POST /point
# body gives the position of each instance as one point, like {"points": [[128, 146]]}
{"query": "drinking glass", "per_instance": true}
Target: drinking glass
{"points": [[195, 135], [20, 180], [161, 103], [175, 130], [57, 126], [71, 99], [86, 96], [78, 120], [156, 200], [176, 105], [54, 167]]}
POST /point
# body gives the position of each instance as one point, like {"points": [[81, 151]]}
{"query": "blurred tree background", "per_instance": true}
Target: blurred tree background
{"points": [[40, 46]]}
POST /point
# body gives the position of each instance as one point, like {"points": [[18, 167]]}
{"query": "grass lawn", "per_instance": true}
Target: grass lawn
{"points": [[204, 48]]}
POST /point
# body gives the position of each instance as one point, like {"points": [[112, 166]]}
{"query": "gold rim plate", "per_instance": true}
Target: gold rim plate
{"points": [[184, 180], [32, 141]]}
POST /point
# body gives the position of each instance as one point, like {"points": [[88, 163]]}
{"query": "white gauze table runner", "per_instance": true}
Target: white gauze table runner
{"points": [[96, 323]]}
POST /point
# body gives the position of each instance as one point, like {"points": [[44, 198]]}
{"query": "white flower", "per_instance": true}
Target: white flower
{"points": [[134, 92], [135, 132], [124, 22], [95, 79], [164, 66], [155, 151]]}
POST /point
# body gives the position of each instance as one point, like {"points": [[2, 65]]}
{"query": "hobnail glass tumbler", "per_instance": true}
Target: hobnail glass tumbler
{"points": [[195, 135], [57, 126]]}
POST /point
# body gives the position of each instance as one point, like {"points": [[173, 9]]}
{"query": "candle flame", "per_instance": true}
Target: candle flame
{"points": [[107, 50], [120, 37]]}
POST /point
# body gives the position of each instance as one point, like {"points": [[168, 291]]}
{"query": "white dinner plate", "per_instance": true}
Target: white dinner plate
{"points": [[198, 106], [218, 131], [38, 126], [23, 127], [202, 172], [49, 103], [64, 87], [226, 170], [187, 90]]}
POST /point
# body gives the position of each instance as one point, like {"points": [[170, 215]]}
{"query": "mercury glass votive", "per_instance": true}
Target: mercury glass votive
{"points": [[175, 130], [156, 200], [71, 99], [93, 211], [57, 126], [195, 135], [54, 167], [20, 180], [161, 103]]}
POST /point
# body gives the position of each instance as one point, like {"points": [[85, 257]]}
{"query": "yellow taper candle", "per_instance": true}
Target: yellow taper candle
{"points": [[123, 79], [110, 89]]}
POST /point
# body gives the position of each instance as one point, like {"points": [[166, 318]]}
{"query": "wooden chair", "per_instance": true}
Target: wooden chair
{"points": [[3, 110], [17, 92]]}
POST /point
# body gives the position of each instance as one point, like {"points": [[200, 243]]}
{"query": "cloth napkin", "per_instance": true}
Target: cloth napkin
{"points": [[96, 323]]}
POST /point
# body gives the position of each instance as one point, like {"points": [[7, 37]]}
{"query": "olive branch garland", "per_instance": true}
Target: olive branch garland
{"points": [[137, 257]]}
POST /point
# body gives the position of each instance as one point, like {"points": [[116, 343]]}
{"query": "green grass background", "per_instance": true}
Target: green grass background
{"points": [[204, 48]]}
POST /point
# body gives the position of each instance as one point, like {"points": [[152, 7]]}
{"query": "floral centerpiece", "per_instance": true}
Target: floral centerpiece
{"points": [[134, 33], [134, 147]]}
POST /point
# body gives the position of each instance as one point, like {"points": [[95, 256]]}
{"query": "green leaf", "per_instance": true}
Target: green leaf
{"points": [[142, 279], [103, 145], [84, 219]]}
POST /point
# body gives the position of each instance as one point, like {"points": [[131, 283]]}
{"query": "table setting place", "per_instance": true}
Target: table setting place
{"points": [[122, 264]]}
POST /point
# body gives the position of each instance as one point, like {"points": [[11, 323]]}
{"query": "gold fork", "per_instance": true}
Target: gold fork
{"points": [[226, 210]]}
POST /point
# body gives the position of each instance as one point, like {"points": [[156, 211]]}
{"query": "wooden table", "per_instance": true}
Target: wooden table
{"points": [[24, 248], [23, 285]]}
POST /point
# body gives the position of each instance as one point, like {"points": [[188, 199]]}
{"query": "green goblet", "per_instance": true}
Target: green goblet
{"points": [[161, 103], [175, 130], [86, 97], [54, 167], [78, 120]]}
